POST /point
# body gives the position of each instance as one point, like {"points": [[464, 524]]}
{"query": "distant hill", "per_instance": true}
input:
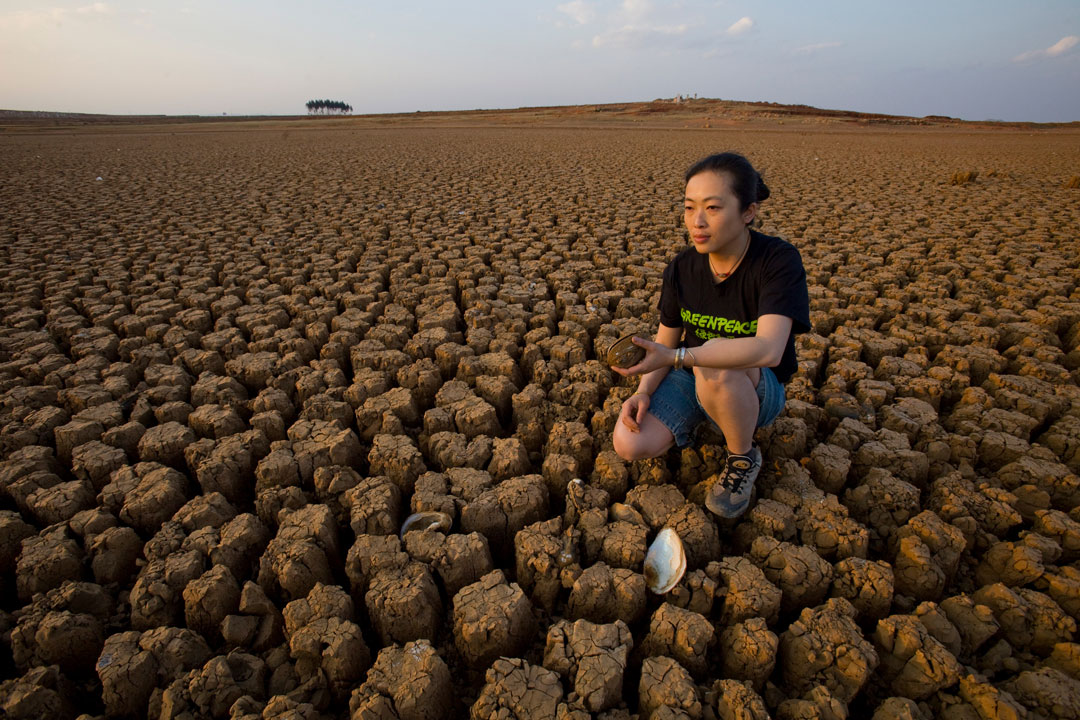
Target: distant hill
{"points": [[662, 112]]}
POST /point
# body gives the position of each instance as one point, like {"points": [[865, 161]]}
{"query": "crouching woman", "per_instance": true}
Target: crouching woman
{"points": [[730, 307]]}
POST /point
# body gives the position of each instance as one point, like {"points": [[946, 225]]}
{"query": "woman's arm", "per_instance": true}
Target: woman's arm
{"points": [[765, 349]]}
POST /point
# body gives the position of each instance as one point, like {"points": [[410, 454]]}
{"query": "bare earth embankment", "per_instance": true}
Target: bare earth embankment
{"points": [[235, 357]]}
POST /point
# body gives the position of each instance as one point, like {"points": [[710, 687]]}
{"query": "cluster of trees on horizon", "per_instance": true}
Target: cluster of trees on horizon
{"points": [[326, 107]]}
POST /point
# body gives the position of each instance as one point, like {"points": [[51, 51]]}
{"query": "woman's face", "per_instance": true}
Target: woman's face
{"points": [[712, 214]]}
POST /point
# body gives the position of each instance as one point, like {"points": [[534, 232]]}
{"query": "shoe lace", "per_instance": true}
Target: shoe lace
{"points": [[736, 476]]}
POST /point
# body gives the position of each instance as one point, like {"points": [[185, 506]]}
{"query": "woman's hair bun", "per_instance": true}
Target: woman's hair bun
{"points": [[762, 189]]}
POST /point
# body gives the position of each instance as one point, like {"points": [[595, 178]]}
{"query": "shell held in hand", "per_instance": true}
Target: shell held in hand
{"points": [[430, 520], [665, 562], [623, 353]]}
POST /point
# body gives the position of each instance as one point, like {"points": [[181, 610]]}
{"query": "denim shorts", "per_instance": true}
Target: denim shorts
{"points": [[675, 403]]}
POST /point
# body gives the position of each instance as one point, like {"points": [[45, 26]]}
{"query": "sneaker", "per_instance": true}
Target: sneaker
{"points": [[730, 495]]}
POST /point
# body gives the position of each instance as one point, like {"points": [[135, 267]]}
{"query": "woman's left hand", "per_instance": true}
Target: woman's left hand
{"points": [[656, 356]]}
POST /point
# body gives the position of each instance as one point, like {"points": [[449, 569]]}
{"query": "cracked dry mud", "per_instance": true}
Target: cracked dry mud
{"points": [[233, 366]]}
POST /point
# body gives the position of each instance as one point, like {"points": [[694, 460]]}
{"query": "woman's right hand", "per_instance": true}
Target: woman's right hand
{"points": [[633, 411]]}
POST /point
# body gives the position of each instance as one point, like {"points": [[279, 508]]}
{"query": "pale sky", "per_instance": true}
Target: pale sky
{"points": [[973, 59]]}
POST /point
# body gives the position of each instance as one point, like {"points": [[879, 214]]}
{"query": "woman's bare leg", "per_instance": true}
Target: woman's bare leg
{"points": [[730, 398], [652, 440]]}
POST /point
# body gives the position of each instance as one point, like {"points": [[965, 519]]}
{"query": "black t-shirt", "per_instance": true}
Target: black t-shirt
{"points": [[770, 280]]}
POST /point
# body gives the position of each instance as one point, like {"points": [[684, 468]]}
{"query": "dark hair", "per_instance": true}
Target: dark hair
{"points": [[746, 182]]}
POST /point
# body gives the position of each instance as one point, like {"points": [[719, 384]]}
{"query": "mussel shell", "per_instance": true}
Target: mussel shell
{"points": [[623, 353], [665, 562], [427, 520]]}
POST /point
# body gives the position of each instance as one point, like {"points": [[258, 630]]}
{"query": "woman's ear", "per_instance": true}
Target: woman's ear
{"points": [[749, 213]]}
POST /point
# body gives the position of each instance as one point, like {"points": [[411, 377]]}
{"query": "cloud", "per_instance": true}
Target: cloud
{"points": [[638, 35], [806, 49], [740, 26], [28, 19], [578, 10], [1061, 47]]}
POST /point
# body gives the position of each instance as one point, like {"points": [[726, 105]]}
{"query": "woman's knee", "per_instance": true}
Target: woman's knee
{"points": [[718, 381], [631, 446]]}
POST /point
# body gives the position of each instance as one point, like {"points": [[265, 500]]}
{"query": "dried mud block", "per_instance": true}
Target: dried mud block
{"points": [[501, 512], [209, 599], [113, 555], [603, 594], [746, 591], [891, 451], [13, 530], [900, 708], [403, 603], [1066, 658], [75, 433], [1046, 474], [1063, 439], [332, 483], [1064, 588], [451, 449], [43, 692], [655, 503], [463, 560], [866, 584], [592, 657], [698, 532], [1059, 527], [47, 560], [303, 552], [974, 622], [666, 686], [383, 413], [230, 467], [1028, 618], [981, 699], [928, 553], [369, 555], [546, 560], [514, 688], [491, 617], [824, 525], [330, 649], [748, 652], [767, 517], [410, 682], [95, 461], [278, 469], [960, 501], [826, 647], [398, 458], [210, 691], [509, 458], [165, 444], [156, 598], [317, 443], [681, 634], [801, 574], [913, 662], [60, 502], [70, 640], [884, 504], [472, 415], [829, 465], [215, 421], [1012, 563], [935, 619], [735, 700], [1046, 692], [574, 440], [374, 506], [159, 493]]}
